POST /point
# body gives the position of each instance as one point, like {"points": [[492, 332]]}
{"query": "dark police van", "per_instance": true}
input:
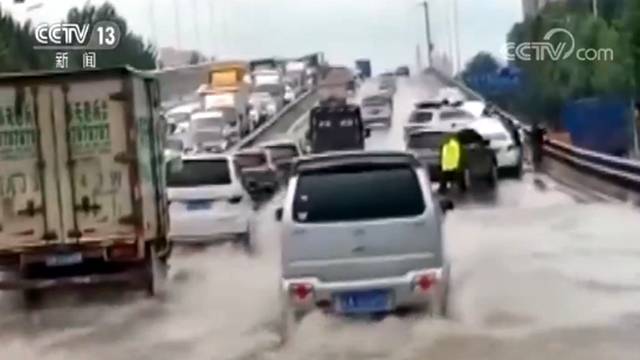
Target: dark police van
{"points": [[335, 125]]}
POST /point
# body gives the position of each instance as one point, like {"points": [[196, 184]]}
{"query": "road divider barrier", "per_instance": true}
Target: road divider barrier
{"points": [[291, 111], [619, 172]]}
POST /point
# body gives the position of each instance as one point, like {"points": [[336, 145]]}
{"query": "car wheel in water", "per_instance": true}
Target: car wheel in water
{"points": [[492, 179], [517, 171], [440, 307], [289, 320], [244, 240]]}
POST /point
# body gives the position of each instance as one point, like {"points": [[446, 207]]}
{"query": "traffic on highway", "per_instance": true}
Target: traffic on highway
{"points": [[301, 207]]}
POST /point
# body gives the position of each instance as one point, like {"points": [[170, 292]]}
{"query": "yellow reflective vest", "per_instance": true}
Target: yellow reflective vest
{"points": [[450, 155]]}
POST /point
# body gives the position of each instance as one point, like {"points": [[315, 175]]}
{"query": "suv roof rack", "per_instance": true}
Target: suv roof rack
{"points": [[346, 158]]}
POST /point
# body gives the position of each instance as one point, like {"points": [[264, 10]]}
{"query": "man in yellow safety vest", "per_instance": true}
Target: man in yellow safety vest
{"points": [[451, 164]]}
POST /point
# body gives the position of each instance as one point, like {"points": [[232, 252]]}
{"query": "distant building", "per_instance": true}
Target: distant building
{"points": [[531, 8]]}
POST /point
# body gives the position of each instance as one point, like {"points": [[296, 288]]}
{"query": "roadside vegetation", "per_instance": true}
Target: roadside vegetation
{"points": [[17, 42]]}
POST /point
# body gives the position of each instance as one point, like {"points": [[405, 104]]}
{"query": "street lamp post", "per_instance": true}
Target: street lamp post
{"points": [[427, 24], [177, 21], [457, 35], [195, 23]]}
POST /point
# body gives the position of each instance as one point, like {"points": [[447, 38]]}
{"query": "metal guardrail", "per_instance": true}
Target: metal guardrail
{"points": [[260, 131], [617, 171]]}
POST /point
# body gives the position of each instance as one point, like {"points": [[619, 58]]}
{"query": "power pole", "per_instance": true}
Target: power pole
{"points": [[427, 24], [595, 8], [176, 16], [195, 24], [457, 35], [212, 29]]}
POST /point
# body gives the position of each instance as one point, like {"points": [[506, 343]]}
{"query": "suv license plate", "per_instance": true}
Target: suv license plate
{"points": [[64, 259]]}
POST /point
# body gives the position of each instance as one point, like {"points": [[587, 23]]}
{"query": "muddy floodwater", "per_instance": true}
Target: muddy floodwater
{"points": [[539, 272]]}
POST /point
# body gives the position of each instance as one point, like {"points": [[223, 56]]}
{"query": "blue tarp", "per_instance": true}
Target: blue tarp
{"points": [[600, 124]]}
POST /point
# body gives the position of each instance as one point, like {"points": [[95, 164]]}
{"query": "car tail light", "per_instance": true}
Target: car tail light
{"points": [[235, 199], [301, 292], [124, 252], [424, 283]]}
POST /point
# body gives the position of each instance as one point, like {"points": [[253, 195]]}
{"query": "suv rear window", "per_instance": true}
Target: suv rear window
{"points": [[455, 115], [354, 194], [250, 160], [422, 117], [199, 173], [283, 152], [426, 140]]}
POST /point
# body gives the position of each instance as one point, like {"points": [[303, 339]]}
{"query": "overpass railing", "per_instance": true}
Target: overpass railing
{"points": [[617, 171]]}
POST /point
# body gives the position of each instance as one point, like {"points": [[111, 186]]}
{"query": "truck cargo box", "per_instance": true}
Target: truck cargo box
{"points": [[80, 168]]}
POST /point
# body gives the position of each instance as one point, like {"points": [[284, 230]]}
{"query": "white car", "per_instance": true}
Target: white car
{"points": [[451, 94], [434, 114], [508, 154], [476, 107], [207, 201]]}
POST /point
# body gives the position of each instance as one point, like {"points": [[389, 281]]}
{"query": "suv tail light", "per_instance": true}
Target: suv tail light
{"points": [[424, 283], [301, 292]]}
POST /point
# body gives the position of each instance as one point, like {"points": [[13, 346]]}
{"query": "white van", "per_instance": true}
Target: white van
{"points": [[353, 244]]}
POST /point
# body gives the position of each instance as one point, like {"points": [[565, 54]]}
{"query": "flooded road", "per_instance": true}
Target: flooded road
{"points": [[539, 272]]}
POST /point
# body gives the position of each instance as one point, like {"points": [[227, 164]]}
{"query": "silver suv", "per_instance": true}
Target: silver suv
{"points": [[361, 235]]}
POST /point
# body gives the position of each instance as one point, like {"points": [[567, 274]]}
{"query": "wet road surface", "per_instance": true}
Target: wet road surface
{"points": [[539, 272]]}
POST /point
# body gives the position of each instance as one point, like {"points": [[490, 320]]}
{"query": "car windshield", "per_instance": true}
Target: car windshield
{"points": [[215, 119], [422, 117], [196, 173], [283, 152], [250, 160], [499, 136], [375, 101], [426, 140], [353, 194], [448, 115]]}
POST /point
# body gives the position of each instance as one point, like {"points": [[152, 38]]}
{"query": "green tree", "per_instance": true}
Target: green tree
{"points": [[553, 82], [482, 63], [132, 49]]}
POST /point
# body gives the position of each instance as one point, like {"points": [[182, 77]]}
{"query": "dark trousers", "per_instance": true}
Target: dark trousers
{"points": [[451, 177]]}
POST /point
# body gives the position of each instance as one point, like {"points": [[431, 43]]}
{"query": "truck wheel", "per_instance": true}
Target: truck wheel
{"points": [[156, 272]]}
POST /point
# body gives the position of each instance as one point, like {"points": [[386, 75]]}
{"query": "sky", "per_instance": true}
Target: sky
{"points": [[385, 31]]}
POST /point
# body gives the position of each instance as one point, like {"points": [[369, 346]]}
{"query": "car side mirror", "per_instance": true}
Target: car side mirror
{"points": [[278, 214], [367, 132], [446, 205]]}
